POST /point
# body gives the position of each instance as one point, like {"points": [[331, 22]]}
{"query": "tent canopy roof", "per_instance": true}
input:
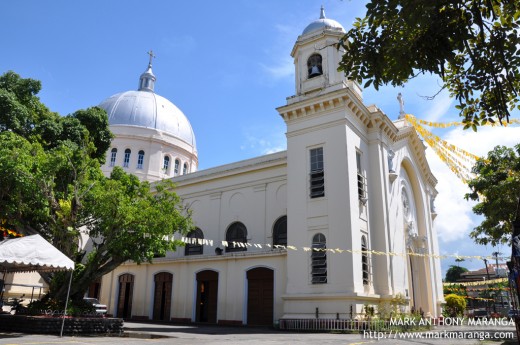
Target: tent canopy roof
{"points": [[32, 253]]}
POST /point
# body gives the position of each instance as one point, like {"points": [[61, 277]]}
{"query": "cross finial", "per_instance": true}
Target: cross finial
{"points": [[151, 57], [322, 12]]}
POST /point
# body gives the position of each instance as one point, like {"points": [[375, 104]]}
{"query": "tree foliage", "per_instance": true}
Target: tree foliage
{"points": [[472, 45], [455, 305], [496, 187], [453, 273], [52, 184]]}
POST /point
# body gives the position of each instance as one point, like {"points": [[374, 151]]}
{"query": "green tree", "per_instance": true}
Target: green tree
{"points": [[52, 184], [472, 45], [455, 305], [453, 273], [496, 187]]}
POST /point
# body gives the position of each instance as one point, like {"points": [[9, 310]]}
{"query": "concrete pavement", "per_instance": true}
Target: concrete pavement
{"points": [[151, 333]]}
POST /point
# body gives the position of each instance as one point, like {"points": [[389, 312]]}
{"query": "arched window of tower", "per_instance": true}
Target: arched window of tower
{"points": [[314, 65]]}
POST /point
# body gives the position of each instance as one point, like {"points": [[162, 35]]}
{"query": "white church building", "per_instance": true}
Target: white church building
{"points": [[342, 219]]}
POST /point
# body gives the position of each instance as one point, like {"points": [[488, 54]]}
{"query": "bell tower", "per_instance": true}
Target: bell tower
{"points": [[316, 59], [323, 200]]}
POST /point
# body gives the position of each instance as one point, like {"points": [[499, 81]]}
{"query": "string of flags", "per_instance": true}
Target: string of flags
{"points": [[448, 288], [456, 123], [207, 242], [459, 161], [478, 283]]}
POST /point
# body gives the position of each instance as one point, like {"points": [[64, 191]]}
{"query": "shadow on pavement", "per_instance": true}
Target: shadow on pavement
{"points": [[142, 327]]}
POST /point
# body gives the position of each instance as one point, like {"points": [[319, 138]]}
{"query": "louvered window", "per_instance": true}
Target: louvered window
{"points": [[361, 180], [319, 259], [317, 176], [364, 261]]}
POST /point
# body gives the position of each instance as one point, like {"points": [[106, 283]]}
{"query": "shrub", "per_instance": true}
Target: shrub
{"points": [[455, 305]]}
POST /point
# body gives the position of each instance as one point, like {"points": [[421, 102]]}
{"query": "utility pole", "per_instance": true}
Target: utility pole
{"points": [[496, 254], [487, 272]]}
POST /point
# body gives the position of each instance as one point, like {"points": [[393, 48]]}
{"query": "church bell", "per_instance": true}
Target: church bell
{"points": [[315, 71]]}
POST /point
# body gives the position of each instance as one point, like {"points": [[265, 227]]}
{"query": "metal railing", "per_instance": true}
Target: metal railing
{"points": [[346, 325]]}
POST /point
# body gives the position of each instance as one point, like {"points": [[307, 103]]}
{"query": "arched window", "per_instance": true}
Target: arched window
{"points": [[113, 155], [194, 248], [140, 159], [314, 65], [166, 164], [176, 167], [185, 169], [364, 260], [319, 259], [236, 232], [280, 232], [126, 161]]}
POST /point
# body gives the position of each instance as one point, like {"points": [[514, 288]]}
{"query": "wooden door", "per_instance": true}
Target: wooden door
{"points": [[207, 296], [162, 296], [126, 291], [260, 295]]}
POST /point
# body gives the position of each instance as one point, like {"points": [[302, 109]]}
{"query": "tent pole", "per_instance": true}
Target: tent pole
{"points": [[66, 302]]}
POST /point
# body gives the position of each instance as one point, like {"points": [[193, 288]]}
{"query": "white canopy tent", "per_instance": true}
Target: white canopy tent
{"points": [[34, 253]]}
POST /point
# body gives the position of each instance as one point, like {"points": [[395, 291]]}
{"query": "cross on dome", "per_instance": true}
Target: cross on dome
{"points": [[147, 78], [152, 56]]}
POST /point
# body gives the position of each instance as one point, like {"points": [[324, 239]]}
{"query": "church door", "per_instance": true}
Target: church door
{"points": [[207, 296], [162, 296], [126, 291], [260, 286]]}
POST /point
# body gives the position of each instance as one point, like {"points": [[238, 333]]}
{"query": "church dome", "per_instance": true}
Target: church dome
{"points": [[145, 108], [323, 23]]}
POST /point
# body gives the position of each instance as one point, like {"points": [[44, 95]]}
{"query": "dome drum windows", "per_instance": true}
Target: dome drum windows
{"points": [[166, 165], [314, 66], [185, 169], [140, 159], [176, 167], [113, 155], [126, 161], [319, 259], [236, 233]]}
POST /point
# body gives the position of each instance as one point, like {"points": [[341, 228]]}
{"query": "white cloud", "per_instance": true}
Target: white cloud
{"points": [[284, 68], [264, 141], [455, 218], [439, 106]]}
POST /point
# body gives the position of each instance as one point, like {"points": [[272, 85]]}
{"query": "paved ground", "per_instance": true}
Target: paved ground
{"points": [[148, 333]]}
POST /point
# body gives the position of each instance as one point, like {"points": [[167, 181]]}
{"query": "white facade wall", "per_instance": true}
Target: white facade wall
{"points": [[326, 112]]}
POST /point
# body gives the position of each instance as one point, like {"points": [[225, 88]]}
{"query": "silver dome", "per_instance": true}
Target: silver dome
{"points": [[149, 110], [323, 23]]}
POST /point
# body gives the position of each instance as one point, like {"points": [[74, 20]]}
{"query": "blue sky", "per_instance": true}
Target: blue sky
{"points": [[227, 66]]}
